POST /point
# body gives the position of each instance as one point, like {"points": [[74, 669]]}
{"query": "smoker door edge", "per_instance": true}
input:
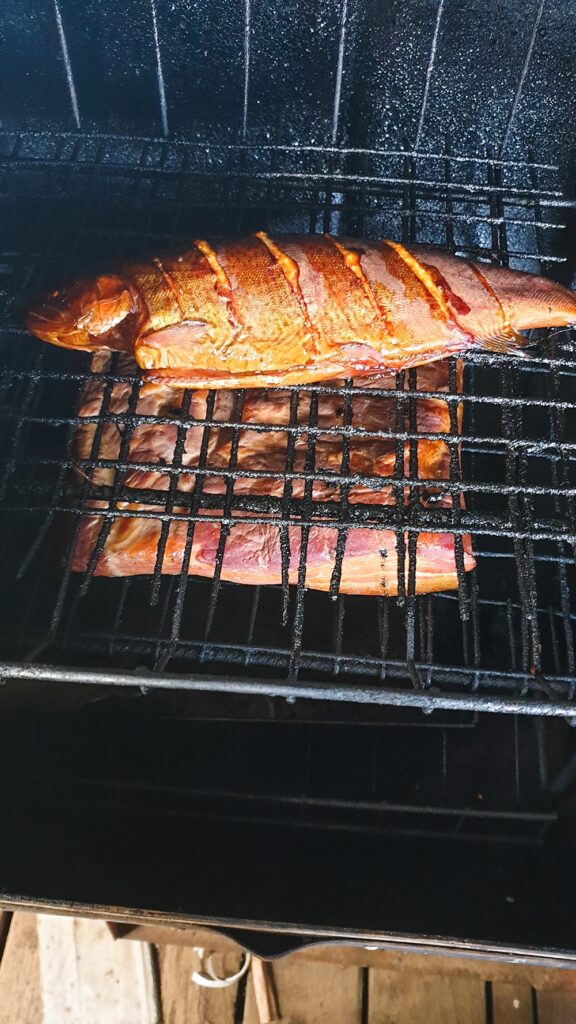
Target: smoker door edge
{"points": [[270, 939]]}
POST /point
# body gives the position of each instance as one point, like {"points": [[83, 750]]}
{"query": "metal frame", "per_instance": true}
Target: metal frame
{"points": [[427, 700], [263, 937]]}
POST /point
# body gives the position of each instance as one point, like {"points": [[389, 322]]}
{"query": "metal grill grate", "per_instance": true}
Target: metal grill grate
{"points": [[504, 639]]}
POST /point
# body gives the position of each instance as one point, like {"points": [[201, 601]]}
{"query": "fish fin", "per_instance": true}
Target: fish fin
{"points": [[175, 345], [184, 330], [507, 341]]}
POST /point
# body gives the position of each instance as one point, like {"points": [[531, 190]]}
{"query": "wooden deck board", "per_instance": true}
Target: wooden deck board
{"points": [[556, 1007], [312, 993], [5, 922], [512, 1003], [57, 969], [86, 977], [20, 1000], [403, 997]]}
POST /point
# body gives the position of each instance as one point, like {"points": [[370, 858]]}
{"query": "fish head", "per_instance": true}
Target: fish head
{"points": [[100, 312]]}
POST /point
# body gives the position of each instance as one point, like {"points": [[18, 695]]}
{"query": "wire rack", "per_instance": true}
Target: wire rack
{"points": [[502, 640]]}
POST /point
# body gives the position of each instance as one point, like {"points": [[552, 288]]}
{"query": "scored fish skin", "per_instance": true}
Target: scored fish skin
{"points": [[295, 309], [252, 553]]}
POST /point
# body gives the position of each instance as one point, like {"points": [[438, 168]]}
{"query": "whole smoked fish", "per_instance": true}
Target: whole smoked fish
{"points": [[293, 309], [252, 553]]}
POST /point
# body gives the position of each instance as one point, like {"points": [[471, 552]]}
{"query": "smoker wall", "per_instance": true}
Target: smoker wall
{"points": [[371, 73]]}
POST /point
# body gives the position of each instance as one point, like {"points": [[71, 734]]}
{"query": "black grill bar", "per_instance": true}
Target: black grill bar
{"points": [[122, 601], [298, 625], [475, 623], [551, 706], [225, 528], [401, 402], [339, 613], [332, 182], [382, 610], [179, 443], [511, 483], [18, 440], [284, 537], [115, 490], [162, 661], [457, 493], [482, 526], [165, 610], [413, 498], [345, 481], [117, 143], [485, 446], [526, 588], [565, 552], [436, 520], [252, 623], [541, 364], [408, 594], [515, 466], [59, 487], [95, 447], [535, 364]]}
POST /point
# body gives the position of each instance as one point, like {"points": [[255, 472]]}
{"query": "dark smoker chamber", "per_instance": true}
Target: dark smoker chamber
{"points": [[285, 764]]}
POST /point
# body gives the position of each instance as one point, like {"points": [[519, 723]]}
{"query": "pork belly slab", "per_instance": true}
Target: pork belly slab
{"points": [[252, 552]]}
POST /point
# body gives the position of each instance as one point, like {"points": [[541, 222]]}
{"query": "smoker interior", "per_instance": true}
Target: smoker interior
{"points": [[382, 826], [125, 131]]}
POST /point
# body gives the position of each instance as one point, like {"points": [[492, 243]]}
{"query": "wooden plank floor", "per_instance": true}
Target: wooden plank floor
{"points": [[58, 969]]}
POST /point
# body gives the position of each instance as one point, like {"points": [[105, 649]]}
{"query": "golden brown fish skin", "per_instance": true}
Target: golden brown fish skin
{"points": [[294, 309]]}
